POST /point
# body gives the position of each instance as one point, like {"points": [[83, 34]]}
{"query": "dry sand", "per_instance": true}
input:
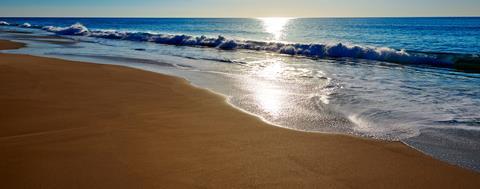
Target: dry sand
{"points": [[66, 124]]}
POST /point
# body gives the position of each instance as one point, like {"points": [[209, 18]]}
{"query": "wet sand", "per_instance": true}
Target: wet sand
{"points": [[66, 124], [51, 39]]}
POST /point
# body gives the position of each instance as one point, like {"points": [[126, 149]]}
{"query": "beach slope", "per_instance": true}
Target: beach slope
{"points": [[66, 124]]}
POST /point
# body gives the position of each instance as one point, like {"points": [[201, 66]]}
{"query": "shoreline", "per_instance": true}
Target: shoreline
{"points": [[238, 149]]}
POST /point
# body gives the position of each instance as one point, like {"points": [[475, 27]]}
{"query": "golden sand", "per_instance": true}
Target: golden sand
{"points": [[66, 124]]}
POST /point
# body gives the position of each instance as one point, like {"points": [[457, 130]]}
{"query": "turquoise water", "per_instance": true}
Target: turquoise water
{"points": [[405, 79]]}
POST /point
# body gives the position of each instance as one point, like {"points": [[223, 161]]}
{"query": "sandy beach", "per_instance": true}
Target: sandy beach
{"points": [[66, 124]]}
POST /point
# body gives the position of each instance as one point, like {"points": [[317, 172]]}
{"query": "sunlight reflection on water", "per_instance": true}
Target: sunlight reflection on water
{"points": [[275, 26]]}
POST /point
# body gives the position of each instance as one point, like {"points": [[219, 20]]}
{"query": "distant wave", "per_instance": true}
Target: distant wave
{"points": [[26, 25], [451, 60], [3, 23]]}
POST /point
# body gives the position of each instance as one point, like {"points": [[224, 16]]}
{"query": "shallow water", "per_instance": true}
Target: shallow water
{"points": [[433, 109]]}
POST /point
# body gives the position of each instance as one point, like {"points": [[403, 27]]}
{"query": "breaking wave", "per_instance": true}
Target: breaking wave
{"points": [[76, 29], [26, 25], [450, 60]]}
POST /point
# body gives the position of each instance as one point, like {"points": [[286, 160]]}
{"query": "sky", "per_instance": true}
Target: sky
{"points": [[239, 8]]}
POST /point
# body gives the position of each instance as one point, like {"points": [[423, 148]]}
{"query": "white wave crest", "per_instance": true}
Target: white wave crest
{"points": [[26, 25], [75, 29], [3, 23]]}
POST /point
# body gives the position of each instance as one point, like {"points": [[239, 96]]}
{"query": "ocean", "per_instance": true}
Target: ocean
{"points": [[414, 80]]}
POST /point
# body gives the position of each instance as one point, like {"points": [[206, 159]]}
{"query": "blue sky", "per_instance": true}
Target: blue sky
{"points": [[240, 8]]}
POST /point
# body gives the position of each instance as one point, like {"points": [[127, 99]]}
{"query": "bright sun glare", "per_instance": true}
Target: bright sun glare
{"points": [[275, 26]]}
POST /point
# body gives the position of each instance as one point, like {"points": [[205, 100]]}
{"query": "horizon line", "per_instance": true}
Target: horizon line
{"points": [[293, 17]]}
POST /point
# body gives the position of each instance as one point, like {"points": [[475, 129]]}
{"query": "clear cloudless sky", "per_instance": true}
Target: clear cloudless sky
{"points": [[239, 8]]}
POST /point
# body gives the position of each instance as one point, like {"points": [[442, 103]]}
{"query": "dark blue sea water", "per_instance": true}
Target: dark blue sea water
{"points": [[414, 80]]}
